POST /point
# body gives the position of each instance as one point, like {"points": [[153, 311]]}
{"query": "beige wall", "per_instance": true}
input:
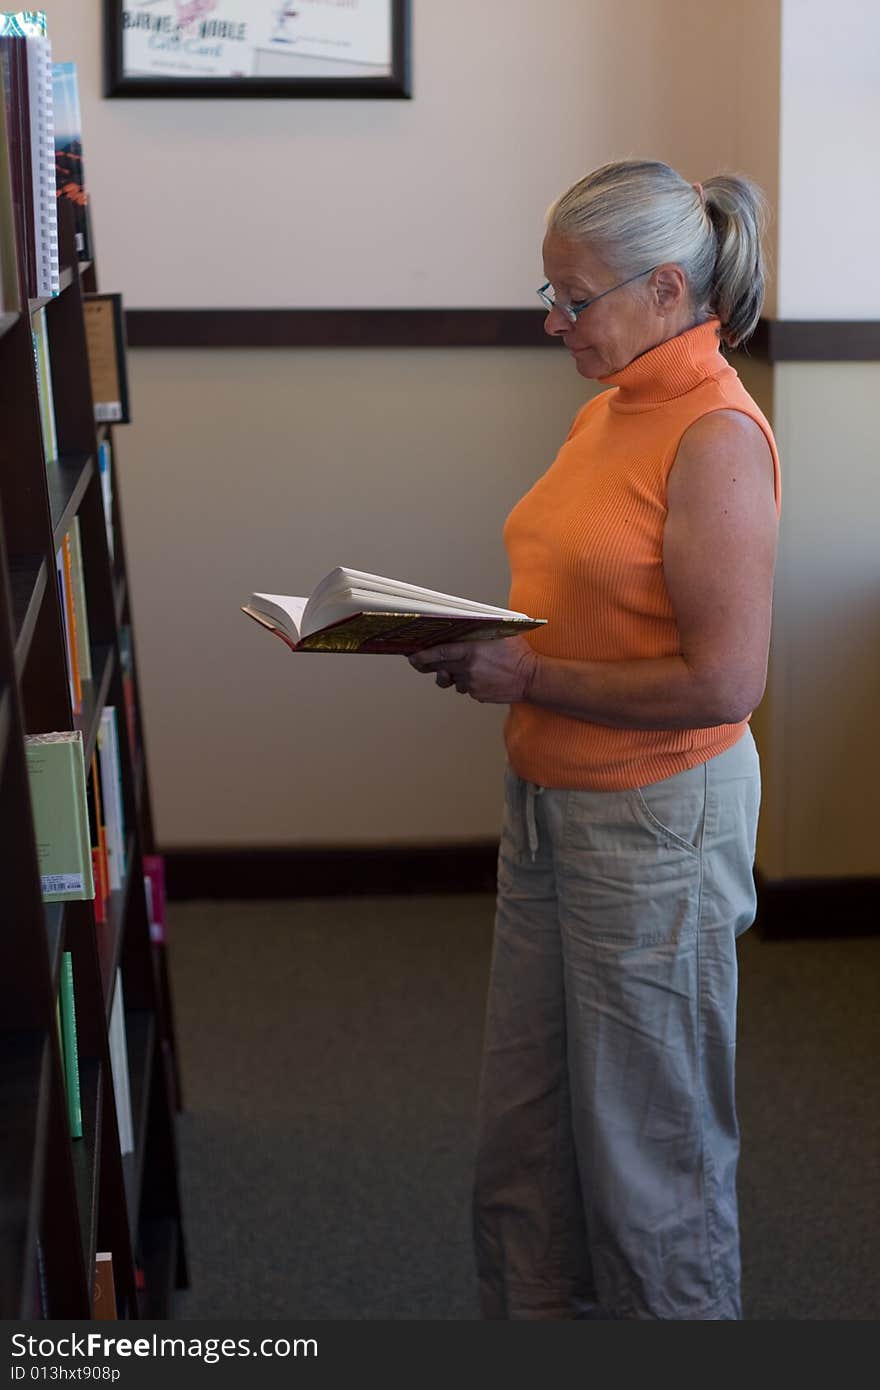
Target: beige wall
{"points": [[821, 756], [436, 201], [825, 811], [829, 191], [264, 469], [403, 463]]}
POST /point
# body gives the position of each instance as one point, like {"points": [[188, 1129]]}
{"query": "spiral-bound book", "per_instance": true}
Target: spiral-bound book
{"points": [[40, 96], [31, 128]]}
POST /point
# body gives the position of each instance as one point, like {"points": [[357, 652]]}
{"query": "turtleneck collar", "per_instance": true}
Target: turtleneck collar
{"points": [[670, 369]]}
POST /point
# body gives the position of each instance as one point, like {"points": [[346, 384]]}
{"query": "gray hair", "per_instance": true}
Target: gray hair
{"points": [[640, 213]]}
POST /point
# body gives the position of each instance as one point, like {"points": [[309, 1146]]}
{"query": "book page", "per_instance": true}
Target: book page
{"points": [[285, 609], [357, 589]]}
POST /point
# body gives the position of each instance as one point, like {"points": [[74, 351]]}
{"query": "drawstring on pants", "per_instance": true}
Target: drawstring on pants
{"points": [[531, 824]]}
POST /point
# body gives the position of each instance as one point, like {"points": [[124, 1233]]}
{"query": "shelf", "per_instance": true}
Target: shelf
{"points": [[140, 1034], [5, 725], [65, 280], [27, 581], [94, 698], [57, 1200], [159, 1260], [119, 598], [54, 918], [110, 933], [24, 1098], [87, 1158], [68, 477]]}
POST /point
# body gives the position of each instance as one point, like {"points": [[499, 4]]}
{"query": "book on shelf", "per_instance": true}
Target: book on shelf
{"points": [[57, 779], [42, 123], [65, 598], [101, 891], [27, 75], [352, 611], [126, 661], [13, 67], [73, 634], [11, 284], [45, 393], [71, 1051], [119, 1067], [98, 838], [111, 795], [104, 1294], [78, 598], [105, 343], [69, 169], [74, 613], [154, 886], [105, 459]]}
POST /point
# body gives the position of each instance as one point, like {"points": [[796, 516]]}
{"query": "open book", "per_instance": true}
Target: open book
{"points": [[350, 611]]}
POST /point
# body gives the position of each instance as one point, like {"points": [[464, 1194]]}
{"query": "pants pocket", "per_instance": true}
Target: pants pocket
{"points": [[674, 810]]}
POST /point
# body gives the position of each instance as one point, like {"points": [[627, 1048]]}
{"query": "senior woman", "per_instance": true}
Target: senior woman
{"points": [[607, 1131]]}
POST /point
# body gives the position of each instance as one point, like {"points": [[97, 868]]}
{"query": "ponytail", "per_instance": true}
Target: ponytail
{"points": [[737, 211]]}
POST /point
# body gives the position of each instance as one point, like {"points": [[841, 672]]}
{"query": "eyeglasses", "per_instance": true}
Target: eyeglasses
{"points": [[547, 295]]}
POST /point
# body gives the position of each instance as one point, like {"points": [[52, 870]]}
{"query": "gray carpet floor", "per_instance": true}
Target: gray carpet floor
{"points": [[330, 1053]]}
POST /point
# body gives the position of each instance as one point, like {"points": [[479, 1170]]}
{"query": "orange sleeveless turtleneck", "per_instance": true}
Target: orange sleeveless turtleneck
{"points": [[586, 552]]}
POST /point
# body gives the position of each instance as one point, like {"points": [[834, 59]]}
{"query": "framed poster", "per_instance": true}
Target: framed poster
{"points": [[257, 48]]}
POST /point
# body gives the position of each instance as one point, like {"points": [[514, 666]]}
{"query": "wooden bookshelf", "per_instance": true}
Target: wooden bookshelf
{"points": [[63, 1199]]}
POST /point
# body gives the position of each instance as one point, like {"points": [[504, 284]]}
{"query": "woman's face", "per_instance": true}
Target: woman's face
{"points": [[614, 330]]}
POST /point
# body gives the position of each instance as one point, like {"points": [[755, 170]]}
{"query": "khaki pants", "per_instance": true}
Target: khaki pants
{"points": [[607, 1132]]}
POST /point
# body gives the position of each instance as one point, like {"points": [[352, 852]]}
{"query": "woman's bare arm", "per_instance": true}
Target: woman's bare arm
{"points": [[719, 554]]}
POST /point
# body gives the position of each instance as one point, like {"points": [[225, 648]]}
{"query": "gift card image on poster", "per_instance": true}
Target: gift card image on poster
{"points": [[189, 38], [323, 38]]}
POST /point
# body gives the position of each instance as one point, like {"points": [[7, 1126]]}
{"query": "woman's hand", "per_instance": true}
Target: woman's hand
{"points": [[499, 672]]}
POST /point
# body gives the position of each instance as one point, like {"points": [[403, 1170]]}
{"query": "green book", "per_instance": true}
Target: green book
{"points": [[71, 1056], [57, 777]]}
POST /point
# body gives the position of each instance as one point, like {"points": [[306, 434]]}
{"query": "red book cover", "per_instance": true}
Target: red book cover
{"points": [[128, 694], [98, 873], [154, 870], [101, 828]]}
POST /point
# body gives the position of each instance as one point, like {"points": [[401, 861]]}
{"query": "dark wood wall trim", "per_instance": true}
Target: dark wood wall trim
{"points": [[816, 340], [818, 907], [786, 910], [328, 328], [775, 340], [331, 873]]}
